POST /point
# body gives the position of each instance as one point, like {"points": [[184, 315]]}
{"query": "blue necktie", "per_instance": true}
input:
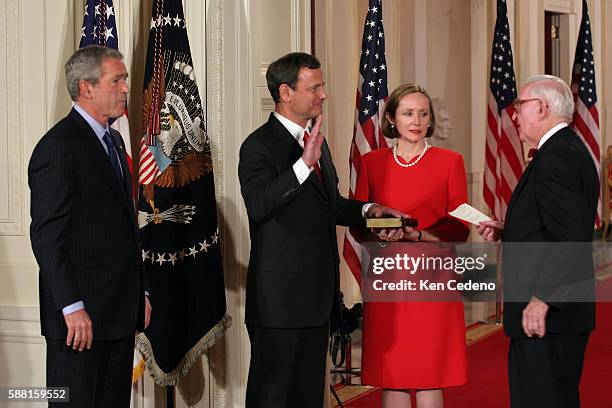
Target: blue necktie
{"points": [[112, 154]]}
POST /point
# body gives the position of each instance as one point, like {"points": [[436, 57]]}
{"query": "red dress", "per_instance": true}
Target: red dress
{"points": [[415, 345]]}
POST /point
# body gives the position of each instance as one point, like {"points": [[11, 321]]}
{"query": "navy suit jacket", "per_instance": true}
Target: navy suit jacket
{"points": [[84, 232], [552, 215]]}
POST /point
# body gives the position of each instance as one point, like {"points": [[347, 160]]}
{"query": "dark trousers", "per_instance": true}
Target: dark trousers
{"points": [[99, 377], [287, 367], [545, 372]]}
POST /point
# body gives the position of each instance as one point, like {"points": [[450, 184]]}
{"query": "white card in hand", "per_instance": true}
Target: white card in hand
{"points": [[468, 213]]}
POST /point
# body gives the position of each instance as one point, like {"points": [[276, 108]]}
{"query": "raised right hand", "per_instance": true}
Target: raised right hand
{"points": [[80, 331], [312, 149]]}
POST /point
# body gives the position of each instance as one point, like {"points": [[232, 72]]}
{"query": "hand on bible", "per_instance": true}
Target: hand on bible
{"points": [[377, 211], [387, 234]]}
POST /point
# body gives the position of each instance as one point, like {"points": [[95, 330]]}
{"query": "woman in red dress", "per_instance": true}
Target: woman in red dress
{"points": [[414, 346]]}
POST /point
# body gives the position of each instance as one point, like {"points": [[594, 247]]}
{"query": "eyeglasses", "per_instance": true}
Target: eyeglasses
{"points": [[518, 102]]}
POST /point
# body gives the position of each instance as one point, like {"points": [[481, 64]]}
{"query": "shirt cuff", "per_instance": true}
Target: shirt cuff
{"points": [[75, 307], [301, 170], [365, 208]]}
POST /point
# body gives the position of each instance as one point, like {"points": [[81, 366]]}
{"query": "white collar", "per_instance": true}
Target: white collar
{"points": [[551, 132], [296, 130]]}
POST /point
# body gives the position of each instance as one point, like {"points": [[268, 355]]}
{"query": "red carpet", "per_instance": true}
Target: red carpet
{"points": [[488, 376], [488, 387]]}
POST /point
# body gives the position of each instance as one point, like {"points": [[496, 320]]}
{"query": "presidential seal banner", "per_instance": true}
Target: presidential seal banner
{"points": [[177, 208]]}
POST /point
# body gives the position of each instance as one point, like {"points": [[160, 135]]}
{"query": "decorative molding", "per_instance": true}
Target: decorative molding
{"points": [[474, 177], [421, 51], [306, 28], [240, 76], [20, 325], [214, 89], [295, 25], [479, 48], [214, 71], [559, 6], [300, 25], [267, 104], [11, 125]]}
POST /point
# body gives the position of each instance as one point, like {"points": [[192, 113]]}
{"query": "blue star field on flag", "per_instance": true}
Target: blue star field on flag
{"points": [[373, 64], [503, 84], [99, 25], [584, 64]]}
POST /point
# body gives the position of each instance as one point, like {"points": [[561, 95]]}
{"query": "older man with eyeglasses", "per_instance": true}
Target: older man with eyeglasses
{"points": [[553, 204]]}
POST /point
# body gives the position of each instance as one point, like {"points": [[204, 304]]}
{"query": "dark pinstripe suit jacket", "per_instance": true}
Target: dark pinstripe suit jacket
{"points": [[84, 232], [293, 278]]}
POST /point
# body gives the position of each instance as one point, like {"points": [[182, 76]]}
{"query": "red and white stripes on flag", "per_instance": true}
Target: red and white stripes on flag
{"points": [[586, 111], [372, 94], [122, 125], [504, 159], [148, 169]]}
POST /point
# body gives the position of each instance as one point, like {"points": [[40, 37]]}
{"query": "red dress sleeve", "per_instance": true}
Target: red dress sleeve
{"points": [[450, 229]]}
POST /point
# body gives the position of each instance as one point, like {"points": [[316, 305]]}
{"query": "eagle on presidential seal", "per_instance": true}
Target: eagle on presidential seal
{"points": [[182, 151]]}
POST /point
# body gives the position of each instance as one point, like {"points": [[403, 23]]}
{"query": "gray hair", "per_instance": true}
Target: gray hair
{"points": [[555, 92], [85, 64]]}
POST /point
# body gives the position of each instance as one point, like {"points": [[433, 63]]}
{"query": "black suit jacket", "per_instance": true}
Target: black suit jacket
{"points": [[551, 211], [84, 232], [293, 268]]}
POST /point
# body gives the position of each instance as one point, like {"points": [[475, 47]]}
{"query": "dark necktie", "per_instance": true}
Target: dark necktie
{"points": [[316, 167], [531, 153], [112, 154]]}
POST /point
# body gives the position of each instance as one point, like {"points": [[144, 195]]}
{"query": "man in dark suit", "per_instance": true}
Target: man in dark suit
{"points": [[85, 238], [547, 312], [289, 186]]}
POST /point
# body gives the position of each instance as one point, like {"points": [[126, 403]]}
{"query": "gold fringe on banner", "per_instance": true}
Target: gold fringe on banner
{"points": [[164, 379]]}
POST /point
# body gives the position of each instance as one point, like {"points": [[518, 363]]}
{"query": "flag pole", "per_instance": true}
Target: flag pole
{"points": [[170, 396]]}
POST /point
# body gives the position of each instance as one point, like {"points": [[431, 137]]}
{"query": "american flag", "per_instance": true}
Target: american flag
{"points": [[99, 28], [503, 149], [372, 94], [586, 113]]}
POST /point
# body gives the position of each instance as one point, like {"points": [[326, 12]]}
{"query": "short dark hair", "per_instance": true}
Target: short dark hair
{"points": [[285, 70], [392, 104]]}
